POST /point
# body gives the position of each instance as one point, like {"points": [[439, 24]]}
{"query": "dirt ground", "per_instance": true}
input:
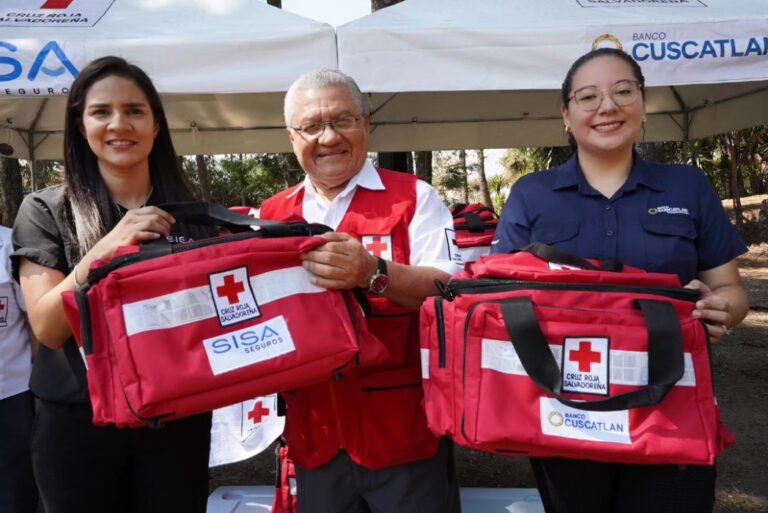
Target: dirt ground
{"points": [[741, 378]]}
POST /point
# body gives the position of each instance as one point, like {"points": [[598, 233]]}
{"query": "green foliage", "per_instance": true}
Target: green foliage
{"points": [[240, 179], [521, 161], [498, 186], [47, 173]]}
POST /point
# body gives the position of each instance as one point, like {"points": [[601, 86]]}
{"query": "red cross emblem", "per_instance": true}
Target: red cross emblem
{"points": [[585, 356], [231, 289], [258, 412], [56, 4], [376, 246]]}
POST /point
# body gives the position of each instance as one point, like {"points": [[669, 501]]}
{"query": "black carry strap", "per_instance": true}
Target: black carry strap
{"points": [[86, 332], [212, 214], [665, 354], [556, 256], [474, 222], [209, 214]]}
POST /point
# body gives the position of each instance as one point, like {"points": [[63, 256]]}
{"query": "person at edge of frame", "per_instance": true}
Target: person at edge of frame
{"points": [[360, 442], [119, 162], [659, 217], [18, 492]]}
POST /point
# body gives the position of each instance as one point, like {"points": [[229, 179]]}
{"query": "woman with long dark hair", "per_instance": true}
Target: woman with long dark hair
{"points": [[119, 162], [659, 217]]}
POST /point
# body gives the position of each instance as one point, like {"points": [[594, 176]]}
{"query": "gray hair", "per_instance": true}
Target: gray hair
{"points": [[318, 80]]}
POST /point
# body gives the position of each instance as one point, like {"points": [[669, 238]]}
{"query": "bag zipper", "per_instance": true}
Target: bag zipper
{"points": [[440, 320], [488, 286]]}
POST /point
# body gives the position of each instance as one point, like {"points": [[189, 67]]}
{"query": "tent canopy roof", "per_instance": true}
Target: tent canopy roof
{"points": [[455, 74], [221, 67]]}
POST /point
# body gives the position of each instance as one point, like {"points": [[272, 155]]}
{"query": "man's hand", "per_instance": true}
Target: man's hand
{"points": [[340, 263]]}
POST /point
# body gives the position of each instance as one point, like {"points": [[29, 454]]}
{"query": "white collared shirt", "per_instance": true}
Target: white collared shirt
{"points": [[15, 348], [430, 233]]}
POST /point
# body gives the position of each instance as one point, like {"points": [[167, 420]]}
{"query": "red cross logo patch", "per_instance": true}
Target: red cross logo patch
{"points": [[378, 245], [233, 297], [257, 413], [585, 365]]}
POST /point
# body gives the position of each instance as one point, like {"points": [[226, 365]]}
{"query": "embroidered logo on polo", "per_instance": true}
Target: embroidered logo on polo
{"points": [[378, 245], [666, 209], [585, 365], [233, 297]]}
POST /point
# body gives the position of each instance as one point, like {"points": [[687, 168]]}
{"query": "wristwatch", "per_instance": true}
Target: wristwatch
{"points": [[379, 280]]}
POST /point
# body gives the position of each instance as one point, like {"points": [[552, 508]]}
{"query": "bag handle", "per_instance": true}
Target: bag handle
{"points": [[665, 354], [212, 214], [551, 254]]}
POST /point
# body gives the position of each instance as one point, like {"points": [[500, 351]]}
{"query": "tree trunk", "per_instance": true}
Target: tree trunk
{"points": [[463, 167], [732, 147], [202, 174], [10, 190], [394, 160], [483, 180], [290, 169], [424, 165]]}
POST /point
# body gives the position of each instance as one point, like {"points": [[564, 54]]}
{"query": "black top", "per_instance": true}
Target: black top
{"points": [[39, 235]]}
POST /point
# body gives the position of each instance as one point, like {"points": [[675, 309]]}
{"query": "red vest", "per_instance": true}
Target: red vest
{"points": [[375, 413]]}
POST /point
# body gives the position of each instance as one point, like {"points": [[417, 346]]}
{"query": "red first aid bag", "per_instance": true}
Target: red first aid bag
{"points": [[285, 481], [542, 354], [475, 226], [168, 331]]}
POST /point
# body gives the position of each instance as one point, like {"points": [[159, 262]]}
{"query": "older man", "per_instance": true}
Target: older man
{"points": [[360, 442]]}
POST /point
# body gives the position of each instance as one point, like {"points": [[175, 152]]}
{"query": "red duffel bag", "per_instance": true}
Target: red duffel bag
{"points": [[475, 227], [540, 353], [172, 330]]}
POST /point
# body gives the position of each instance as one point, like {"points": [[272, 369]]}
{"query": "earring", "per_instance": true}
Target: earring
{"points": [[644, 120], [567, 129]]}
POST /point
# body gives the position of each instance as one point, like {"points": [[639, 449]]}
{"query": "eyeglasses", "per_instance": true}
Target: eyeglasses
{"points": [[315, 129], [622, 93]]}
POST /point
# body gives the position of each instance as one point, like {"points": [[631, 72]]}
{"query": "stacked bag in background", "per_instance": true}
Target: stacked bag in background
{"points": [[474, 226]]}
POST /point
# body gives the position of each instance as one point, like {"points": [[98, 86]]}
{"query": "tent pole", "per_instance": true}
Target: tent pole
{"points": [[686, 121], [32, 165]]}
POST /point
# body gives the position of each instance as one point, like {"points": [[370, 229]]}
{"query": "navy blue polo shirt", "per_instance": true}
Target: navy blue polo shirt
{"points": [[665, 218]]}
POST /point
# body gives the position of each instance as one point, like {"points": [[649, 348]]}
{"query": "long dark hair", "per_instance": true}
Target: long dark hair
{"points": [[565, 90], [92, 211]]}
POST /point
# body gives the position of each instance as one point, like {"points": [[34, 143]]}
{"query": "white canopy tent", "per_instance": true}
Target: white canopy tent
{"points": [[221, 66], [447, 74]]}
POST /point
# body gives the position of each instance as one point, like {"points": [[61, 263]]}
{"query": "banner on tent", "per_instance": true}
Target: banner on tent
{"points": [[684, 54], [53, 13], [32, 68]]}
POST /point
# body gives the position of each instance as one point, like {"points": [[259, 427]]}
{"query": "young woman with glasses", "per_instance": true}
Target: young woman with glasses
{"points": [[608, 203]]}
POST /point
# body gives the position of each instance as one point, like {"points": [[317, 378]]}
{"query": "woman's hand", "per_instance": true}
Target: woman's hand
{"points": [[713, 309], [137, 225]]}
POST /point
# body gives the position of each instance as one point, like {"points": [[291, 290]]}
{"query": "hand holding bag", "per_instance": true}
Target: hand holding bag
{"points": [[543, 354], [172, 330]]}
